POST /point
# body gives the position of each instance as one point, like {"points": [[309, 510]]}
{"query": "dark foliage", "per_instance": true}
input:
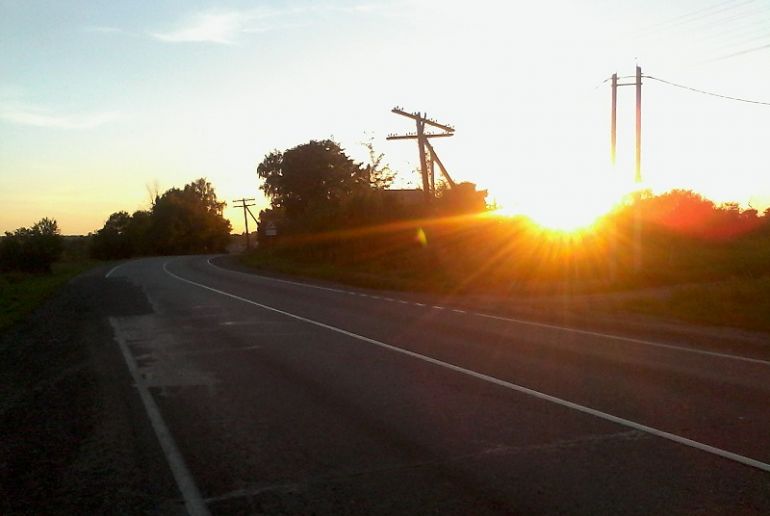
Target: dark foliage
{"points": [[180, 222], [316, 188], [33, 249]]}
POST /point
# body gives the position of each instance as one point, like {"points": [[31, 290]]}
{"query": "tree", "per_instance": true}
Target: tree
{"points": [[380, 176], [31, 250], [112, 241], [317, 173], [189, 221]]}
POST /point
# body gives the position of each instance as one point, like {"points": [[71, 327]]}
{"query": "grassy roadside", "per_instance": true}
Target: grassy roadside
{"points": [[363, 276], [737, 303], [20, 293]]}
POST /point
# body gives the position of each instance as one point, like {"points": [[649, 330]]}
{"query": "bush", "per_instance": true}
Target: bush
{"points": [[31, 250]]}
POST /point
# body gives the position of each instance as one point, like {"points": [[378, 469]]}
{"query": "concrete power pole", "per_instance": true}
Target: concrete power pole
{"points": [[637, 238], [614, 119], [638, 257]]}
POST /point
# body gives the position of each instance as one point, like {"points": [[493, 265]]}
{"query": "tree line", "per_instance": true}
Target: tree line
{"points": [[180, 221], [316, 187]]}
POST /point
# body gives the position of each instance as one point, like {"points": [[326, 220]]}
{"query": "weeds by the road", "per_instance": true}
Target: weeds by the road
{"points": [[739, 303], [20, 293]]}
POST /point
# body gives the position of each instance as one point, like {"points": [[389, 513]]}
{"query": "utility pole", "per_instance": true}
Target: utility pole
{"points": [[637, 244], [614, 119], [638, 258], [245, 205], [613, 237], [428, 156]]}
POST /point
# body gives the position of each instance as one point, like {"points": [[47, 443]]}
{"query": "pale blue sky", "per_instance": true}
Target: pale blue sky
{"points": [[100, 99]]}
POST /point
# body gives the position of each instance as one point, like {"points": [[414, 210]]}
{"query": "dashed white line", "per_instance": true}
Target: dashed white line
{"points": [[748, 461], [622, 338], [438, 307], [458, 311], [513, 320]]}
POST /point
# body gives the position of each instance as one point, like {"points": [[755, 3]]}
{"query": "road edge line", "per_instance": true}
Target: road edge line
{"points": [[185, 482]]}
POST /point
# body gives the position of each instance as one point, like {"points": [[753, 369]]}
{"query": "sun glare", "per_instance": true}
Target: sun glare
{"points": [[569, 209]]}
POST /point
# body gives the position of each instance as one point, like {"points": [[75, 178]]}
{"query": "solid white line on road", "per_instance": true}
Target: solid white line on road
{"points": [[193, 500], [114, 269], [526, 322], [508, 385]]}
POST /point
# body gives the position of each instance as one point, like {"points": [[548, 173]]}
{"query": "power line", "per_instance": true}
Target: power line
{"points": [[738, 99]]}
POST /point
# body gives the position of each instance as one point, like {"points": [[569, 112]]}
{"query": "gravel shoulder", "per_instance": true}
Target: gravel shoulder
{"points": [[73, 435]]}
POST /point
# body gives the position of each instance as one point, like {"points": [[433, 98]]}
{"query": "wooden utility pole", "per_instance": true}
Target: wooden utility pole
{"points": [[428, 156], [245, 205]]}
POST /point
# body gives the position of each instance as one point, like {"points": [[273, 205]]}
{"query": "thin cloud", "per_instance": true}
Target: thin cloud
{"points": [[36, 117], [220, 27], [225, 26]]}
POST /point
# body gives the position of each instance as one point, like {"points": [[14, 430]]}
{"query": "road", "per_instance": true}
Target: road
{"points": [[273, 396]]}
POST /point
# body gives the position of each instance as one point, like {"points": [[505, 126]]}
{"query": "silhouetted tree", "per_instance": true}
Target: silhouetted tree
{"points": [[181, 221], [189, 221], [317, 174], [112, 241], [33, 249]]}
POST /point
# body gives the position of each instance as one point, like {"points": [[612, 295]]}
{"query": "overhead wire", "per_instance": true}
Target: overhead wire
{"points": [[704, 92]]}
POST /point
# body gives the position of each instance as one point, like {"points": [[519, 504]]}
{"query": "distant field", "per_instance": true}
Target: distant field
{"points": [[20, 293]]}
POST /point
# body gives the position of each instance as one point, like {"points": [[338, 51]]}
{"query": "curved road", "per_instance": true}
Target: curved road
{"points": [[271, 396]]}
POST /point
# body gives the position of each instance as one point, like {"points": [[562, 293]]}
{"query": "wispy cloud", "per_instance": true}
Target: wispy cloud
{"points": [[220, 27], [37, 117], [225, 26]]}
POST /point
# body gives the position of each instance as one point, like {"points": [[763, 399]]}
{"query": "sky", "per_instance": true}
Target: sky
{"points": [[102, 100]]}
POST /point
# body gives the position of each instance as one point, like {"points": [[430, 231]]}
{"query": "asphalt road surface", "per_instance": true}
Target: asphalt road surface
{"points": [[271, 396]]}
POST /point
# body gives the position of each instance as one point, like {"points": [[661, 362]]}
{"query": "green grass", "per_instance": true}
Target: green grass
{"points": [[363, 275], [20, 293], [738, 303]]}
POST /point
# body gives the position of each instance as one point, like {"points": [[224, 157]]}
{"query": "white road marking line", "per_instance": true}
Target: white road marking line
{"points": [[389, 299], [514, 387], [611, 336], [114, 269], [622, 338], [403, 302], [437, 307], [193, 500], [457, 310]]}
